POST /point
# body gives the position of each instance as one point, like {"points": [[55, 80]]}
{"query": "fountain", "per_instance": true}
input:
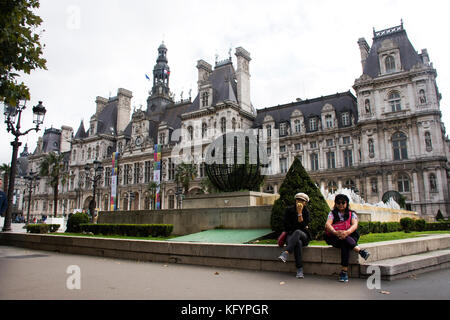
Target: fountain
{"points": [[383, 212]]}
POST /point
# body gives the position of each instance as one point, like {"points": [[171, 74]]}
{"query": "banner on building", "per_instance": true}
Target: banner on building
{"points": [[157, 175], [114, 172]]}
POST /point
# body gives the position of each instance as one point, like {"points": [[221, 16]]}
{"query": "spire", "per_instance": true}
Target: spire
{"points": [[161, 73], [25, 152]]}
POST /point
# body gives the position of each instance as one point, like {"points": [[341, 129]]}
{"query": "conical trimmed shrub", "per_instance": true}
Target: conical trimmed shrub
{"points": [[298, 180]]}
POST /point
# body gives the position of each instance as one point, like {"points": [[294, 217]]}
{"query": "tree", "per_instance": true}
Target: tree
{"points": [[21, 48], [184, 174], [5, 168], [439, 215], [298, 180], [53, 167], [152, 187]]}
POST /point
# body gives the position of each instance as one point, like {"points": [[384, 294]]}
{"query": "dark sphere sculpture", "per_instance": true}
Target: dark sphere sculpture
{"points": [[233, 162]]}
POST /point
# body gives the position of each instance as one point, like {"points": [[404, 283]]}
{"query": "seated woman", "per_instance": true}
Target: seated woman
{"points": [[343, 234], [296, 220]]}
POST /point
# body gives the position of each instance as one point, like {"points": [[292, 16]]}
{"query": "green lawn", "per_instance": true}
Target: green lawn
{"points": [[371, 237], [367, 238]]}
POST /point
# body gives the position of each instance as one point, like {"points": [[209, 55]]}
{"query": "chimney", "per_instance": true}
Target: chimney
{"points": [[204, 71], [123, 109], [101, 103], [425, 57], [364, 49], [243, 78]]}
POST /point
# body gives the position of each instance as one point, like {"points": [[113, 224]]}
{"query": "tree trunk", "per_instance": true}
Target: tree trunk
{"points": [[55, 200], [5, 182]]}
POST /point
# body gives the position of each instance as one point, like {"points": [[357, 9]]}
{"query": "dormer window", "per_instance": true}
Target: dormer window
{"points": [[162, 138], [283, 129], [297, 126], [394, 101], [205, 98], [329, 121], [313, 124], [345, 119], [269, 130], [389, 63]]}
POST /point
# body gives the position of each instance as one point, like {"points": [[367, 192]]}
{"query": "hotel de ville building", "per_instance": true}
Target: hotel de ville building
{"points": [[389, 137]]}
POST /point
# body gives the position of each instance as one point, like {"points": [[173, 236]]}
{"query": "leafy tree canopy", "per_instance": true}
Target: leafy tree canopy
{"points": [[20, 45]]}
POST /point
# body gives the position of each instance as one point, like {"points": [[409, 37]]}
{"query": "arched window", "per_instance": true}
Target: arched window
{"points": [[233, 124], [422, 97], [374, 185], [428, 144], [395, 101], [389, 62], [433, 183], [367, 105], [371, 148], [403, 183], [190, 133], [223, 125], [399, 146], [74, 155], [97, 152], [89, 153], [332, 186]]}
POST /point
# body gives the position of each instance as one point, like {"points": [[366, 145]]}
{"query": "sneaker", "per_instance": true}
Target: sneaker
{"points": [[364, 253], [283, 256], [300, 273], [343, 276]]}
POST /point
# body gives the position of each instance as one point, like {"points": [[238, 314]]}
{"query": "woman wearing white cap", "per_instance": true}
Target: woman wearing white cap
{"points": [[296, 220]]}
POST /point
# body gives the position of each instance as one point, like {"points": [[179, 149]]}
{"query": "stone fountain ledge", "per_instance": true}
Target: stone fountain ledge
{"points": [[391, 256]]}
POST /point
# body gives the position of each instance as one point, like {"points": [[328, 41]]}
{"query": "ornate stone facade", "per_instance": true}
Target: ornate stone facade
{"points": [[389, 137]]}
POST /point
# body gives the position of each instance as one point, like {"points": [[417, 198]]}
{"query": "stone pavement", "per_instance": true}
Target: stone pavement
{"points": [[35, 274]]}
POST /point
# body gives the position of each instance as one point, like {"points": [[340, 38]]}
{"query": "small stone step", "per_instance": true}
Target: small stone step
{"points": [[405, 266]]}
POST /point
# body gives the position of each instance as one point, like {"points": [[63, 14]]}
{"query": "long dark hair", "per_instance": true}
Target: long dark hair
{"points": [[342, 197]]}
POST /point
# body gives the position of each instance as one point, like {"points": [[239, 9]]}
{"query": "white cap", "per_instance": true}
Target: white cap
{"points": [[302, 196]]}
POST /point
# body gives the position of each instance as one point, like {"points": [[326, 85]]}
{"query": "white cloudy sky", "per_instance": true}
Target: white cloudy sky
{"points": [[300, 49]]}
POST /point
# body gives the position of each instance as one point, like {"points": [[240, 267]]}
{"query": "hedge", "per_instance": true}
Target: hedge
{"points": [[132, 230], [74, 221], [42, 228], [405, 224]]}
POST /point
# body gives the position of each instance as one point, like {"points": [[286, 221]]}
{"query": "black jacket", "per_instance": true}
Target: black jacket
{"points": [[291, 220]]}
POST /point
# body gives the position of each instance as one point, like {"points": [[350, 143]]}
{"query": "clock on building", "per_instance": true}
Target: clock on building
{"points": [[138, 141]]}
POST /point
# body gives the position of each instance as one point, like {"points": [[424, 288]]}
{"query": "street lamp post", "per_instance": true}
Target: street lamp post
{"points": [[32, 179], [98, 168], [13, 126]]}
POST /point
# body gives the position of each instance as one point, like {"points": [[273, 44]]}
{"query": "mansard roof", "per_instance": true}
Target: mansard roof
{"points": [[81, 132], [107, 118], [342, 102], [408, 55], [51, 140]]}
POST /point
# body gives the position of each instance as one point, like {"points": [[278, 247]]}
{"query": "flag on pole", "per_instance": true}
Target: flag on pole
{"points": [[148, 78]]}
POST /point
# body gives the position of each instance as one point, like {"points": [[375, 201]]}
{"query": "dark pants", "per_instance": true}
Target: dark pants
{"points": [[295, 241], [345, 245]]}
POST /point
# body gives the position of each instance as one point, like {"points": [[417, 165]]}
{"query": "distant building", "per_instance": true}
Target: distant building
{"points": [[389, 137]]}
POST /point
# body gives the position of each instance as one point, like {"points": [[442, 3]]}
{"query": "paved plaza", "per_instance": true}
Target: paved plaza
{"points": [[34, 274]]}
